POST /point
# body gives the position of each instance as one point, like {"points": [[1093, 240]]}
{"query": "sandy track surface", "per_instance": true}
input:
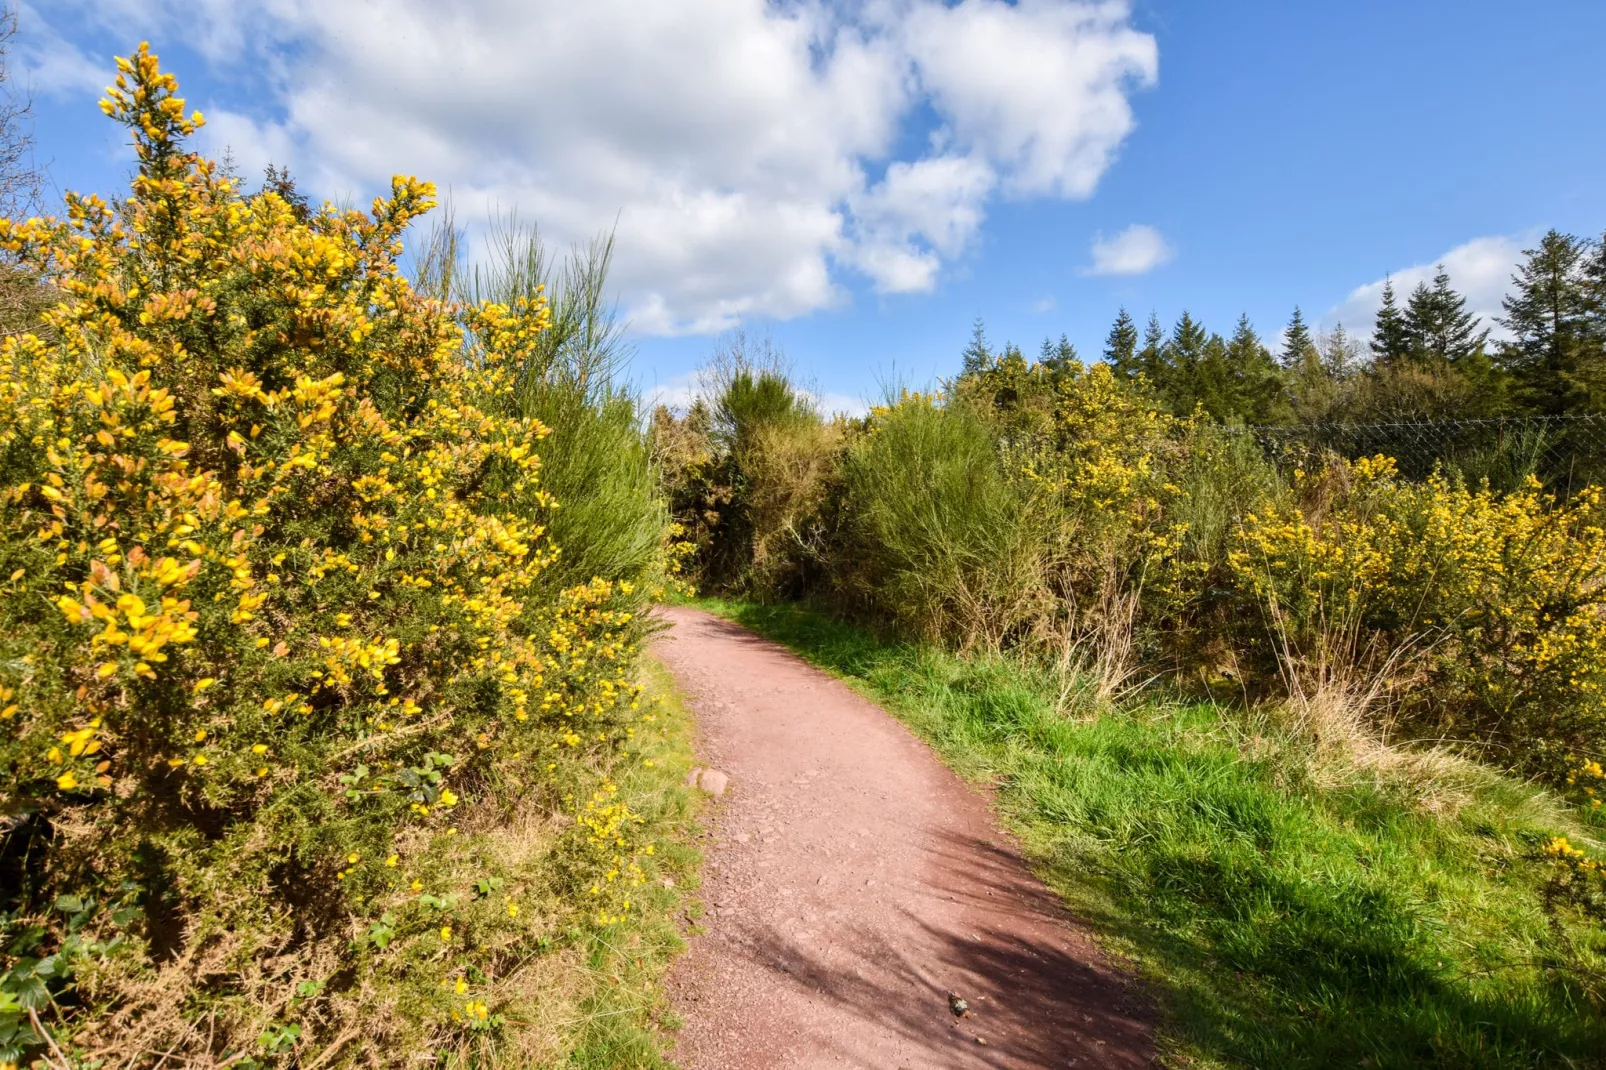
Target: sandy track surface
{"points": [[853, 882]]}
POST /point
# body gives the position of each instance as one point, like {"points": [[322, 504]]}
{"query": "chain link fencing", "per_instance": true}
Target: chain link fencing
{"points": [[1564, 452]]}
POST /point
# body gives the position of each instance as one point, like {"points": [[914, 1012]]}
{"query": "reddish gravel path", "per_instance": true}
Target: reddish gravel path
{"points": [[853, 881]]}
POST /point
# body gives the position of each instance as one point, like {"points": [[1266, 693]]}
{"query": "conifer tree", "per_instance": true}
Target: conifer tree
{"points": [[1595, 295], [1182, 359], [1057, 357], [1258, 385], [978, 358], [1297, 342], [1151, 360], [1215, 387], [1442, 330], [1312, 390], [1595, 282], [1121, 347], [1340, 354], [1391, 338], [1552, 352]]}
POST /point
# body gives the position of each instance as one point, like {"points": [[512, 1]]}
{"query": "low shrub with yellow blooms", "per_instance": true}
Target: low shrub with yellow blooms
{"points": [[1491, 607], [268, 640]]}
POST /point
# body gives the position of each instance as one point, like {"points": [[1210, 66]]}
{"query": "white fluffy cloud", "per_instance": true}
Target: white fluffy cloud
{"points": [[1038, 86], [918, 215], [1136, 250], [1480, 269], [749, 150]]}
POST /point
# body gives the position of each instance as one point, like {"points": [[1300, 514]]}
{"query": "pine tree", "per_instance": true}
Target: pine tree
{"points": [[1215, 388], [1057, 357], [1548, 315], [1442, 330], [1391, 338], [1257, 381], [1121, 347], [978, 358], [1341, 354], [1297, 342], [1182, 357], [1595, 282], [1595, 297], [1151, 359], [1313, 392]]}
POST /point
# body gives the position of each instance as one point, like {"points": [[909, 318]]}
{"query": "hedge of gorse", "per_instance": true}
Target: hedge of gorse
{"points": [[269, 636]]}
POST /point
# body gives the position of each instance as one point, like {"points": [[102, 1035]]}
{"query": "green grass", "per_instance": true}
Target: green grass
{"points": [[1285, 913], [624, 1022]]}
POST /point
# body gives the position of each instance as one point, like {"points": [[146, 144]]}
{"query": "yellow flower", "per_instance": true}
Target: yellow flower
{"points": [[67, 781], [446, 932]]}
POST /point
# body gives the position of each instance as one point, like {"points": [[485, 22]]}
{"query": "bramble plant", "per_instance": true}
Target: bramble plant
{"points": [[270, 635]]}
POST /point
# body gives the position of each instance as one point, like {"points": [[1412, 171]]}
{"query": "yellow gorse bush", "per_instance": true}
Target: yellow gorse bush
{"points": [[1499, 597], [268, 549], [1105, 452], [1130, 533]]}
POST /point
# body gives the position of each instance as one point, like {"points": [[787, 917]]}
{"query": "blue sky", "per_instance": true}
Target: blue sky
{"points": [[862, 181]]}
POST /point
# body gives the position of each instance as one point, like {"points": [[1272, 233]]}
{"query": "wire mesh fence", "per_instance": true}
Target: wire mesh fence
{"points": [[1564, 452]]}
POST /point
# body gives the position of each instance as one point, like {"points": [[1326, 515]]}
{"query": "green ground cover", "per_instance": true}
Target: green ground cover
{"points": [[623, 1022]]}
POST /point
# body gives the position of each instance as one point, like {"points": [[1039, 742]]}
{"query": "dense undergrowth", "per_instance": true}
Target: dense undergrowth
{"points": [[1288, 907], [316, 748]]}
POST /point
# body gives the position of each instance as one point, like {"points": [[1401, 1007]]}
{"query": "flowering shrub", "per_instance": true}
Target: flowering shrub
{"points": [[1105, 454], [268, 640], [1496, 599]]}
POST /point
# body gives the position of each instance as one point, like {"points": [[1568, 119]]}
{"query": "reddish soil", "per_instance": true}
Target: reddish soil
{"points": [[852, 882]]}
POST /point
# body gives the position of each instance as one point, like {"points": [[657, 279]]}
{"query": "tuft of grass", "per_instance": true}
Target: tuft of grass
{"points": [[1285, 912]]}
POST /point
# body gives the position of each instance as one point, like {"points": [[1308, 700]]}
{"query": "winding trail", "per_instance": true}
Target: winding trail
{"points": [[853, 881]]}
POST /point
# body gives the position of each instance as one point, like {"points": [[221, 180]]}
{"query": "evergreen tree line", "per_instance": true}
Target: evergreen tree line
{"points": [[1428, 358]]}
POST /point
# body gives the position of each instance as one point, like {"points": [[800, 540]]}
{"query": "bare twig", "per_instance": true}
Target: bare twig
{"points": [[39, 1027]]}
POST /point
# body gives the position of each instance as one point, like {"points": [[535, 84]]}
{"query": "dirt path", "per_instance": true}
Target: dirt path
{"points": [[853, 882]]}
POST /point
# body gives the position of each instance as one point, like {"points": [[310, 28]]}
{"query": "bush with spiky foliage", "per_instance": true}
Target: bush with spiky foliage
{"points": [[276, 666]]}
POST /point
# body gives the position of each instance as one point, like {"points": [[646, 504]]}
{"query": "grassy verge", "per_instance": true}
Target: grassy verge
{"points": [[615, 984], [1287, 911]]}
